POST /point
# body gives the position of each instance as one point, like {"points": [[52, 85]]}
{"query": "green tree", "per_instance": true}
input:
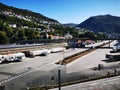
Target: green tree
{"points": [[3, 38], [37, 35], [21, 35], [30, 34], [1, 25], [8, 30]]}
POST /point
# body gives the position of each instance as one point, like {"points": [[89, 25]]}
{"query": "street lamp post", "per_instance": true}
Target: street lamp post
{"points": [[59, 79]]}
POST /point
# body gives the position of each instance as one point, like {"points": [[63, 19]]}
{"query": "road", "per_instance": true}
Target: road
{"points": [[39, 70]]}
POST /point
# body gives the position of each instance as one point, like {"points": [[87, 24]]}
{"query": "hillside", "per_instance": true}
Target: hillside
{"points": [[25, 14], [20, 24], [102, 23]]}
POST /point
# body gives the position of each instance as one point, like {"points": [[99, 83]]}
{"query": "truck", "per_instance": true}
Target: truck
{"points": [[33, 53], [15, 57]]}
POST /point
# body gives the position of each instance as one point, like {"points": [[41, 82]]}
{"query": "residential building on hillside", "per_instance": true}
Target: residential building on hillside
{"points": [[68, 36]]}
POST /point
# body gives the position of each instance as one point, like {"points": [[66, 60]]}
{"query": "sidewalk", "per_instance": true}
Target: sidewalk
{"points": [[112, 83]]}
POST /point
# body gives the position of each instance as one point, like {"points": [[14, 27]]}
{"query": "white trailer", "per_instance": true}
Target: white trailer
{"points": [[113, 56], [2, 58], [10, 57], [46, 52], [15, 57], [19, 56], [60, 49], [35, 53], [43, 52]]}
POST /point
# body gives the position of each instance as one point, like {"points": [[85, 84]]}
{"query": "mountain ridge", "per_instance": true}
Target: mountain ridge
{"points": [[102, 23], [70, 24]]}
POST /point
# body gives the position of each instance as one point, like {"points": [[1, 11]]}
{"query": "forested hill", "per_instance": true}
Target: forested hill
{"points": [[25, 14], [102, 23], [20, 24]]}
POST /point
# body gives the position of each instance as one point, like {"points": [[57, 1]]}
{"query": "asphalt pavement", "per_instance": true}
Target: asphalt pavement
{"points": [[39, 70]]}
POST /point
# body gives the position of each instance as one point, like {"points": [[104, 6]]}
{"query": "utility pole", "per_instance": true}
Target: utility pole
{"points": [[59, 79]]}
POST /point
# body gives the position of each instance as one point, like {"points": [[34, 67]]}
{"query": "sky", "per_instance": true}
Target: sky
{"points": [[68, 11]]}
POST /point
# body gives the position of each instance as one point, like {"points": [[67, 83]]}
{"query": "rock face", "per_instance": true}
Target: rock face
{"points": [[102, 23]]}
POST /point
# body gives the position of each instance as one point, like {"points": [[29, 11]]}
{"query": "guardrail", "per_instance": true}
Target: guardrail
{"points": [[23, 49]]}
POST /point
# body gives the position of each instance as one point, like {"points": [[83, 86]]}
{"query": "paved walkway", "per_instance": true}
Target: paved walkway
{"points": [[112, 83]]}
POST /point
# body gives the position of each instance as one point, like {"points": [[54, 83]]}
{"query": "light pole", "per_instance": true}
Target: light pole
{"points": [[59, 79]]}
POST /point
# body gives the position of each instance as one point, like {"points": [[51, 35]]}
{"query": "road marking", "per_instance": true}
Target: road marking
{"points": [[11, 79], [15, 77], [2, 82], [20, 75]]}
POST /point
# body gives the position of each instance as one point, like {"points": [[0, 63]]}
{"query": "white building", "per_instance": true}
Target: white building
{"points": [[13, 26], [68, 36]]}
